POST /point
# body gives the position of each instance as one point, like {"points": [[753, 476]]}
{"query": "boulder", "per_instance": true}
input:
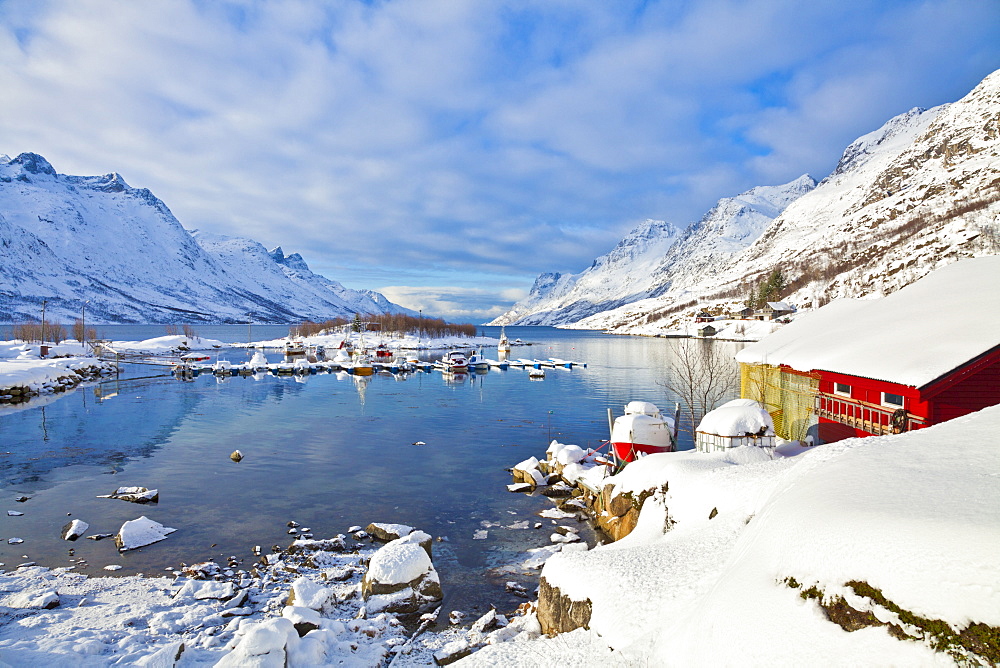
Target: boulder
{"points": [[558, 613], [452, 652], [205, 590], [263, 645], [140, 532], [74, 530], [303, 619], [387, 532], [133, 494], [35, 600], [306, 593], [401, 579]]}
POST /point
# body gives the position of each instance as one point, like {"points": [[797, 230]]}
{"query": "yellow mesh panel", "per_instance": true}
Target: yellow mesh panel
{"points": [[788, 397]]}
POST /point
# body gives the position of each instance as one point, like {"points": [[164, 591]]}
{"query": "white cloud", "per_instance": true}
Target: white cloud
{"points": [[509, 138]]}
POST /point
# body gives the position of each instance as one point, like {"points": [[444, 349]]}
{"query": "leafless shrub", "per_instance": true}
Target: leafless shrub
{"points": [[702, 377]]}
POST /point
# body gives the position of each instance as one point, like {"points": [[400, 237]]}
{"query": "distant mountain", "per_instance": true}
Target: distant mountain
{"points": [[920, 192], [70, 239], [655, 259]]}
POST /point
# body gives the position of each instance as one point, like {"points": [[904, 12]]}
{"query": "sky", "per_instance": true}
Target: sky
{"points": [[446, 152]]}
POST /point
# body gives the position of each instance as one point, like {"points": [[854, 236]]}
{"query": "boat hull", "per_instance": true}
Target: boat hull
{"points": [[628, 451]]}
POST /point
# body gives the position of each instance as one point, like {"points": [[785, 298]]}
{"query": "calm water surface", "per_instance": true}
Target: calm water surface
{"points": [[328, 451]]}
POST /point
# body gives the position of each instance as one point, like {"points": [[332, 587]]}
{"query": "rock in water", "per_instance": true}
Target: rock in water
{"points": [[133, 494], [236, 456], [74, 530], [140, 532]]}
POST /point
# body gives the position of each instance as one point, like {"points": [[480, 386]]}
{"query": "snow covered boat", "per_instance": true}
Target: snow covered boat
{"points": [[642, 431], [362, 365], [195, 357], [294, 348], [536, 373], [382, 353], [455, 361]]}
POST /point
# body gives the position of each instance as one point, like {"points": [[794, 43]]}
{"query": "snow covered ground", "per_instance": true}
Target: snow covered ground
{"points": [[902, 529], [22, 368]]}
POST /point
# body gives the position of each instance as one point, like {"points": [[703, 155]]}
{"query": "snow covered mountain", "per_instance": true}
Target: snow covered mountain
{"points": [[71, 239], [655, 259], [920, 192]]}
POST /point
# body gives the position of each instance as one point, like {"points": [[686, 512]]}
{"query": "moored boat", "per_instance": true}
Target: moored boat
{"points": [[455, 360], [504, 346], [294, 348], [642, 431]]}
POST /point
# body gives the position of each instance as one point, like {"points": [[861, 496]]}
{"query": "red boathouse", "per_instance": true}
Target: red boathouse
{"points": [[925, 354]]}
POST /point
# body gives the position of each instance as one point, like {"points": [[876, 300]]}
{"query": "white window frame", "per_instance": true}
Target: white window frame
{"points": [[890, 404], [839, 392]]}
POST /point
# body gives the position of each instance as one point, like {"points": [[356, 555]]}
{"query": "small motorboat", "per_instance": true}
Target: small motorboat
{"points": [[195, 357], [382, 353], [478, 362], [455, 361], [642, 431]]}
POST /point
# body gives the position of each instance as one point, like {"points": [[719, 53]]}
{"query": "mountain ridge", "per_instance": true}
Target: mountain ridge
{"points": [[71, 240], [920, 191]]}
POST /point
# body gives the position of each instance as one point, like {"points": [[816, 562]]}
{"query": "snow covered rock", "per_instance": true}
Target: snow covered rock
{"points": [[166, 657], [304, 619], [74, 529], [387, 532], [203, 590], [140, 532], [307, 593], [528, 472], [133, 494], [401, 578], [37, 600], [264, 645]]}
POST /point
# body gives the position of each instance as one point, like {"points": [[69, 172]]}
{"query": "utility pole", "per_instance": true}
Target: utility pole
{"points": [[44, 302]]}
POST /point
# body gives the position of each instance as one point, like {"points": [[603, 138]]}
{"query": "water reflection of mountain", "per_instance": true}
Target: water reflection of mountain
{"points": [[100, 425]]}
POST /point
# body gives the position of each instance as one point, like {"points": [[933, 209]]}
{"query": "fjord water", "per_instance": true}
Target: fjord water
{"points": [[327, 451]]}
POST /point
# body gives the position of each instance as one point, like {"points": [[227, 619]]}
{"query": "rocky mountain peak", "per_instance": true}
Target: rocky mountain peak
{"points": [[34, 164]]}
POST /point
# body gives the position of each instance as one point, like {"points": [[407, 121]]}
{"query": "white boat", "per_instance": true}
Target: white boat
{"points": [[642, 431], [478, 362], [362, 365], [536, 373], [504, 346], [455, 361], [293, 348]]}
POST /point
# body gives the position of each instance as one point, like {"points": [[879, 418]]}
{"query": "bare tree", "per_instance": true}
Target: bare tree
{"points": [[702, 377]]}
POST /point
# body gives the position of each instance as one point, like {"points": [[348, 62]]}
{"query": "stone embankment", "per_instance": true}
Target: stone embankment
{"points": [[58, 380]]}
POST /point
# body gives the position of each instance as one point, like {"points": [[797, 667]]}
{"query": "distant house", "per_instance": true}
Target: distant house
{"points": [[774, 310], [707, 330], [872, 367], [704, 316], [744, 313]]}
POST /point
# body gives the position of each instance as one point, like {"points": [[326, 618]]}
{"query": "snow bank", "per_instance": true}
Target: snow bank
{"points": [[915, 516]]}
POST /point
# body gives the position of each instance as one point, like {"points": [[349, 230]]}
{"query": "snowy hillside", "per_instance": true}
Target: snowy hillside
{"points": [[70, 239], [657, 258], [920, 192]]}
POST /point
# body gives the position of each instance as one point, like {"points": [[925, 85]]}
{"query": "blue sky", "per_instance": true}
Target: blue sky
{"points": [[445, 152]]}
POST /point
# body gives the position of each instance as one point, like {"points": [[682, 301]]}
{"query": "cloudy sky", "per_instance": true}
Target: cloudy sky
{"points": [[445, 152]]}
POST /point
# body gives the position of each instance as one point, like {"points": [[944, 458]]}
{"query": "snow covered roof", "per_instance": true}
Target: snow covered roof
{"points": [[780, 306], [912, 337]]}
